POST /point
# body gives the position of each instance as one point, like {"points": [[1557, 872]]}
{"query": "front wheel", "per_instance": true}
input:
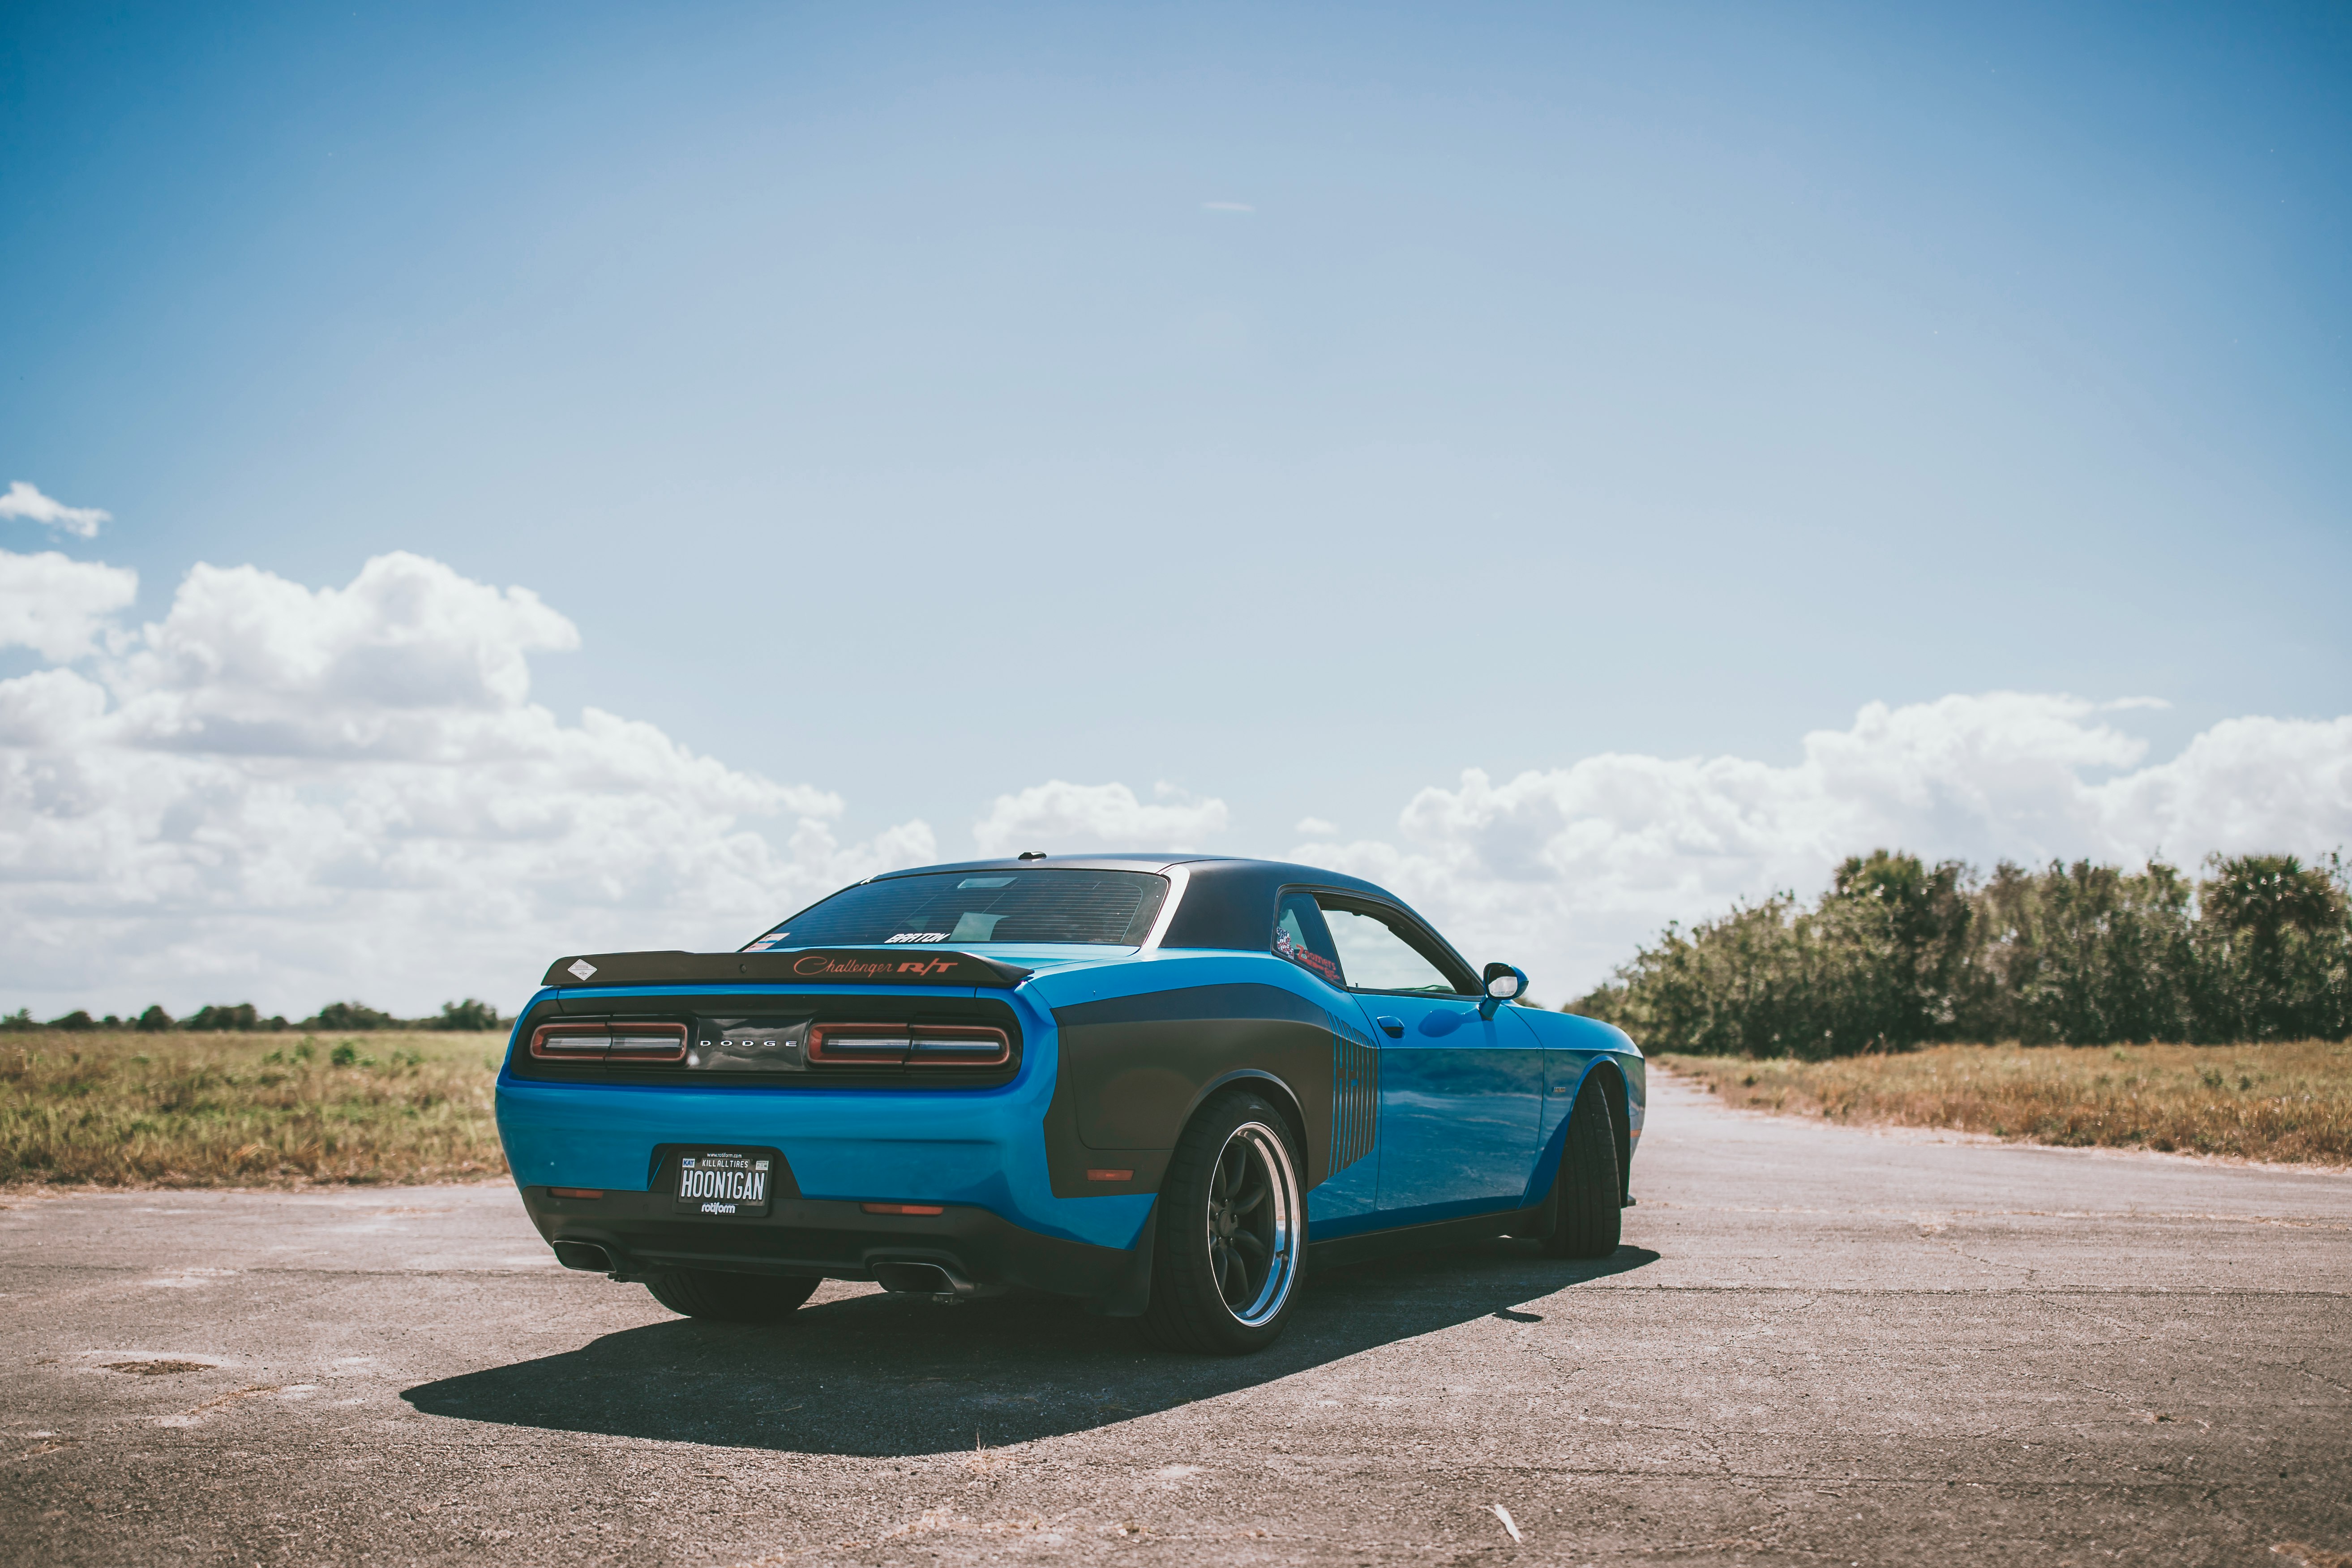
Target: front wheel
{"points": [[1587, 1201], [1231, 1241], [730, 1298]]}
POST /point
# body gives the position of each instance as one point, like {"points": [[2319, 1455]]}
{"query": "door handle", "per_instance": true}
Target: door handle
{"points": [[1395, 1026]]}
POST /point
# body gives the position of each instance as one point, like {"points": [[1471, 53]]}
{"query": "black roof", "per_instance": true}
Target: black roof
{"points": [[1228, 900]]}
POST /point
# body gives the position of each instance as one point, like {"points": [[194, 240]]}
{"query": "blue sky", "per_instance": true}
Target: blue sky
{"points": [[1296, 405]]}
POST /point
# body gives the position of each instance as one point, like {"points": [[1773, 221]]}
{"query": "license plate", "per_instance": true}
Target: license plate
{"points": [[724, 1183]]}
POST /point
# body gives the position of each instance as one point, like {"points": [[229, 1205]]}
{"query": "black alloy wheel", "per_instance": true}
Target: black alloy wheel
{"points": [[1588, 1195], [730, 1298], [1230, 1244]]}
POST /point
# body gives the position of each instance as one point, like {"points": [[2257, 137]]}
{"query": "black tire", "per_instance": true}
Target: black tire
{"points": [[1588, 1198], [730, 1298], [1229, 1247]]}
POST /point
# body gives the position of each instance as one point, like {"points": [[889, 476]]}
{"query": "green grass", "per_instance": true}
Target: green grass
{"points": [[2290, 1102], [236, 1110]]}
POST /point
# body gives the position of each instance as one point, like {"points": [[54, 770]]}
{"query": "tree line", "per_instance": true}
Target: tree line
{"points": [[243, 1017], [1899, 953]]}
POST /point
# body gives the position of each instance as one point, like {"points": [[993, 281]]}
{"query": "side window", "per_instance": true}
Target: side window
{"points": [[1300, 936], [1377, 958]]}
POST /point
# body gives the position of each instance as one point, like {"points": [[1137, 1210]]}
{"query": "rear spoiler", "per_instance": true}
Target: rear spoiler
{"points": [[806, 966]]}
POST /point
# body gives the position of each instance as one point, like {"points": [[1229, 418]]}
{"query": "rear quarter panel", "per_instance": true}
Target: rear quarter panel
{"points": [[1141, 1044]]}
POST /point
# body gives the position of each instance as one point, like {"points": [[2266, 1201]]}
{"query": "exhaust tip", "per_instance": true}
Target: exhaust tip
{"points": [[915, 1279], [585, 1255]]}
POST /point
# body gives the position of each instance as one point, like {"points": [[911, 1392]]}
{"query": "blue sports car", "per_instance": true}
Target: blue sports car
{"points": [[1165, 1085]]}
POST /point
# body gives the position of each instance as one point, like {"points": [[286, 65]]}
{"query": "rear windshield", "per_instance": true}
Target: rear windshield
{"points": [[1106, 908]]}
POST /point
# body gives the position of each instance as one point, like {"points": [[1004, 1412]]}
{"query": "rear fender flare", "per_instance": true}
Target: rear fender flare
{"points": [[1263, 1082]]}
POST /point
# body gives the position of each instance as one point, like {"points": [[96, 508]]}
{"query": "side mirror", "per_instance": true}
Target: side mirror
{"points": [[1504, 983]]}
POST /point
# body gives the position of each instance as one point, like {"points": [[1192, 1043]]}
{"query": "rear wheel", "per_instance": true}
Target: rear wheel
{"points": [[1231, 1241], [1588, 1199], [730, 1298]]}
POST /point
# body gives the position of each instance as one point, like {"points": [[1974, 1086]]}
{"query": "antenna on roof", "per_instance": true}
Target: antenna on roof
{"points": [[1032, 854]]}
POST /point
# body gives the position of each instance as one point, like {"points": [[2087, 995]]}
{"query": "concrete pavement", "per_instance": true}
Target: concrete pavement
{"points": [[1819, 1345]]}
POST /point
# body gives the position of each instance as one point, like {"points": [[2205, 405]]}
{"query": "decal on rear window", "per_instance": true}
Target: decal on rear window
{"points": [[918, 936], [1301, 936]]}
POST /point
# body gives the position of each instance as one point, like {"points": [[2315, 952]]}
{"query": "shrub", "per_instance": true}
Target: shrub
{"points": [[469, 1016], [350, 1015], [1898, 953]]}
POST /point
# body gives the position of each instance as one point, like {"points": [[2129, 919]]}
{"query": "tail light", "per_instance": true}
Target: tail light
{"points": [[896, 1044], [647, 1043], [609, 1042], [859, 1045], [959, 1046]]}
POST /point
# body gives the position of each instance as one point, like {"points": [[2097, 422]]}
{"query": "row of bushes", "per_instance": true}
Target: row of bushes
{"points": [[1898, 954], [243, 1017]]}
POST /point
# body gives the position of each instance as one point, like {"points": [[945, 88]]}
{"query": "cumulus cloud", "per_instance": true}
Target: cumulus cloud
{"points": [[286, 794], [1061, 817], [60, 607], [25, 503], [1564, 871]]}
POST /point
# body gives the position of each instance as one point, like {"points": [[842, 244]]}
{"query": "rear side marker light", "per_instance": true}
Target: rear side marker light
{"points": [[609, 1042], [575, 1192], [1110, 1175], [896, 1044], [903, 1208]]}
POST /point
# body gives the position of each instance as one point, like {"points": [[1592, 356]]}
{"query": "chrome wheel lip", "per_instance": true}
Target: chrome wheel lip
{"points": [[1268, 1157]]}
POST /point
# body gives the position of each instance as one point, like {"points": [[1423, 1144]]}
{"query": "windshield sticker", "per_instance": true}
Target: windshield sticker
{"points": [[918, 936], [985, 882]]}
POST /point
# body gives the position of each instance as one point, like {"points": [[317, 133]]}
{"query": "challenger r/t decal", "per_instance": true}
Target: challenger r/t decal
{"points": [[817, 966]]}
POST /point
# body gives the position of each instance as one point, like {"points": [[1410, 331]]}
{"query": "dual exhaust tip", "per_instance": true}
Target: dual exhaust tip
{"points": [[898, 1276]]}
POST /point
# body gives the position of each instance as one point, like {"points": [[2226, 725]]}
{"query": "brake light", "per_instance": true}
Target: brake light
{"points": [[859, 1045], [959, 1046], [587, 1041], [609, 1042], [648, 1042], [903, 1208], [896, 1044]]}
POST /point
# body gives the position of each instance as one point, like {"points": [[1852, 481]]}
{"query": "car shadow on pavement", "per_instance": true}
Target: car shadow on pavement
{"points": [[877, 1375]]}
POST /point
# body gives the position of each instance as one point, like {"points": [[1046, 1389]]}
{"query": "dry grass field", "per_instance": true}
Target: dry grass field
{"points": [[236, 1110], [2289, 1102]]}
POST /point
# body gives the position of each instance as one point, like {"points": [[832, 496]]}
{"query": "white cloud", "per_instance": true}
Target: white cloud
{"points": [[25, 503], [411, 662], [1062, 818], [60, 607], [1566, 871], [290, 795]]}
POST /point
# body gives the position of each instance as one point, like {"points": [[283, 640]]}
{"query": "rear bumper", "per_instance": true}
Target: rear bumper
{"points": [[640, 1234]]}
